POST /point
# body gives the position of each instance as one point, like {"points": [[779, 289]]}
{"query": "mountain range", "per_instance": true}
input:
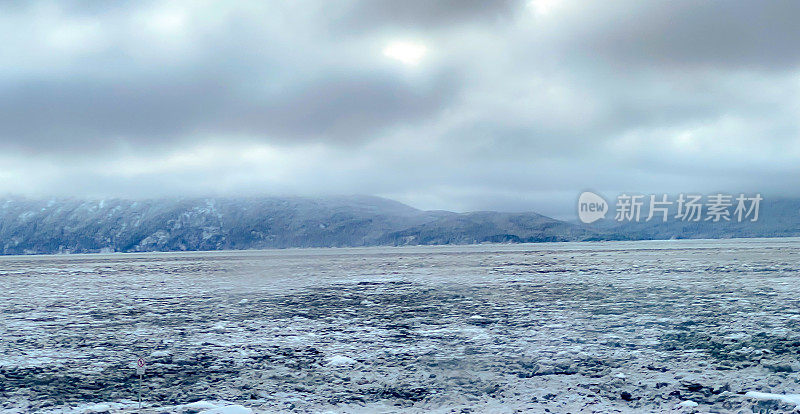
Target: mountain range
{"points": [[36, 226]]}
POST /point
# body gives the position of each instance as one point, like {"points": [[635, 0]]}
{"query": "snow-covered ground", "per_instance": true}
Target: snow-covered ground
{"points": [[584, 327]]}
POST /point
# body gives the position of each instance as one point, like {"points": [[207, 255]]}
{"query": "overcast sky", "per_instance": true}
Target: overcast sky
{"points": [[457, 104]]}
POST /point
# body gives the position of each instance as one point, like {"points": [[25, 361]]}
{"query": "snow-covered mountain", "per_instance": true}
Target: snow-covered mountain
{"points": [[778, 217], [30, 226]]}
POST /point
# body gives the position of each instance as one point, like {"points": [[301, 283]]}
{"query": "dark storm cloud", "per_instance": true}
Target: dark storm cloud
{"points": [[92, 115], [239, 78], [345, 108], [508, 102], [745, 34], [364, 15]]}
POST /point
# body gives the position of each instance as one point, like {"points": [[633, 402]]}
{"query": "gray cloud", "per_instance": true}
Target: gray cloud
{"points": [[746, 34], [93, 115], [364, 15], [344, 108], [514, 104], [88, 114]]}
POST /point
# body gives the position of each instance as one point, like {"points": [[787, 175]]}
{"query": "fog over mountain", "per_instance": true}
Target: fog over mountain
{"points": [[33, 226]]}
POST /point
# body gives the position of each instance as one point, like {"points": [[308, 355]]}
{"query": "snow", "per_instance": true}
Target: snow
{"points": [[200, 405], [228, 409], [787, 398], [392, 330], [219, 327], [159, 354], [340, 360], [97, 408]]}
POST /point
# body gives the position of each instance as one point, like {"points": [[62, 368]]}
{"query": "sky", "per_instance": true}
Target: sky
{"points": [[460, 105]]}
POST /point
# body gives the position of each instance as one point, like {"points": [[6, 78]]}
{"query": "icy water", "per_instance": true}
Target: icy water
{"points": [[574, 327]]}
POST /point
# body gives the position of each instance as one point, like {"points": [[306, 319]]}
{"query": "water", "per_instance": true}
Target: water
{"points": [[569, 327]]}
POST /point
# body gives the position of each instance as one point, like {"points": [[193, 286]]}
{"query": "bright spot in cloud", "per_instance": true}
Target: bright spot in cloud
{"points": [[408, 53], [168, 22], [543, 7], [684, 140]]}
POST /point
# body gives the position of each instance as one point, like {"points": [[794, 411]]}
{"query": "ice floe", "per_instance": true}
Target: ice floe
{"points": [[341, 360], [787, 398]]}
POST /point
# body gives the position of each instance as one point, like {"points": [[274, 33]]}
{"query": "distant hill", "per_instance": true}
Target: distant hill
{"points": [[777, 218], [488, 226], [29, 226]]}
